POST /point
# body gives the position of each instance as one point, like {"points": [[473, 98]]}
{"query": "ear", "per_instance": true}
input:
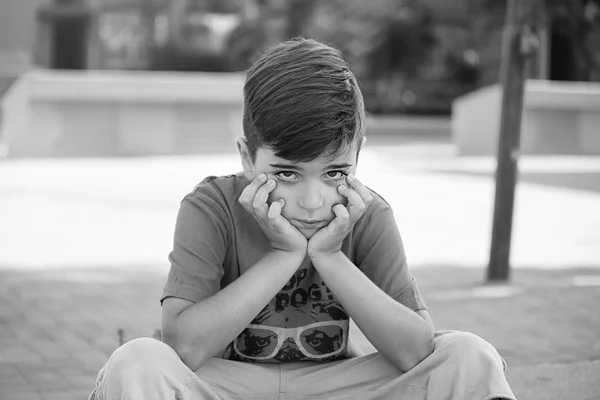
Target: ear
{"points": [[245, 157]]}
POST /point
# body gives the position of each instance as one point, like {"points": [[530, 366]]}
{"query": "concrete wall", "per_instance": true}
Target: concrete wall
{"points": [[558, 118], [97, 113]]}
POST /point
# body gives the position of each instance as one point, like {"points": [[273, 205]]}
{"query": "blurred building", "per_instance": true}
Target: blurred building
{"points": [[224, 35], [17, 38]]}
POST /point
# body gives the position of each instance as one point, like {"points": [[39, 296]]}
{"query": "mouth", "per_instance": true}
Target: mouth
{"points": [[310, 224]]}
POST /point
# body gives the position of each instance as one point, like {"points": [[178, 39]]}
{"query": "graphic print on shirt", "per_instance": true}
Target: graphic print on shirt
{"points": [[303, 321]]}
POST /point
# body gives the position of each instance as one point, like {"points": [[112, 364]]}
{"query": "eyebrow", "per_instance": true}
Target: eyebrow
{"points": [[286, 166], [339, 166], [296, 168]]}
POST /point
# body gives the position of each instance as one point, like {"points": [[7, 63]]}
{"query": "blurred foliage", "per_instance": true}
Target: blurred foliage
{"points": [[214, 6], [388, 43], [577, 20], [172, 57], [299, 14], [243, 43]]}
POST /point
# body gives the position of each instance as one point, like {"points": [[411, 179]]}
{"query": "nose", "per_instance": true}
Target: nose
{"points": [[311, 199]]}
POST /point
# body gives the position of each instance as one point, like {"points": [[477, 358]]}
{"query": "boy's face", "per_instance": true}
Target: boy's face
{"points": [[308, 188]]}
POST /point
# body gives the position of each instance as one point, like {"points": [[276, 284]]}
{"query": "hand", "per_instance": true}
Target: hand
{"points": [[328, 240], [282, 235]]}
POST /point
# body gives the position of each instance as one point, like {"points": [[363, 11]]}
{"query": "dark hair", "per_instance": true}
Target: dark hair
{"points": [[301, 99]]}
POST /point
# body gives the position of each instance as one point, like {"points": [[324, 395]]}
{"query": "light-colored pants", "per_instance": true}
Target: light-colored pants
{"points": [[463, 366]]}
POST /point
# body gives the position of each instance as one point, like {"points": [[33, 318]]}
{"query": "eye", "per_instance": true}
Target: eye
{"points": [[336, 175], [286, 176], [315, 342]]}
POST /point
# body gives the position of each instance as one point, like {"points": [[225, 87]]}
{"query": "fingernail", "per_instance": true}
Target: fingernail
{"points": [[262, 177], [342, 187], [350, 176]]}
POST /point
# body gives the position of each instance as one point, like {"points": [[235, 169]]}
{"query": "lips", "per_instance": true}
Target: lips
{"points": [[308, 224]]}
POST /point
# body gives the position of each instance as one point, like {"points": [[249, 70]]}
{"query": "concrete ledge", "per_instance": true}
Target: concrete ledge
{"points": [[136, 86], [558, 118], [96, 113], [429, 126]]}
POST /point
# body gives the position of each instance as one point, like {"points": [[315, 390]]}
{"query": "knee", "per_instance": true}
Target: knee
{"points": [[468, 348], [139, 356]]}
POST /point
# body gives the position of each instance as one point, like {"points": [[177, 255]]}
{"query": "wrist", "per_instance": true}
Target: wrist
{"points": [[288, 256], [319, 258]]}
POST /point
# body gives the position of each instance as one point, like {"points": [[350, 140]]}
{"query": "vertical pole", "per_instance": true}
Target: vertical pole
{"points": [[512, 75]]}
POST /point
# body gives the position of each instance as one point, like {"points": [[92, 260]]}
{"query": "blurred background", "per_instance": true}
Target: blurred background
{"points": [[112, 110], [412, 57]]}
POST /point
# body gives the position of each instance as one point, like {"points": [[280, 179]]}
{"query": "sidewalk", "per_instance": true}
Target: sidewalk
{"points": [[83, 246], [58, 327]]}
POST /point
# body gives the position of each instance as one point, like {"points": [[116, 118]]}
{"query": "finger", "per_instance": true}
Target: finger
{"points": [[342, 217], [262, 194], [249, 192], [341, 212], [275, 210], [352, 196], [356, 205], [361, 189]]}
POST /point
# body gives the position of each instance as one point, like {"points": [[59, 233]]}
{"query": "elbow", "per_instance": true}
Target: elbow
{"points": [[190, 355], [419, 352], [192, 359], [427, 347]]}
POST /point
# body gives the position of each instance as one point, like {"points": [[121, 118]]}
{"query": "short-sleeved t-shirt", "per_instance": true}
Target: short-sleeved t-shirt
{"points": [[217, 240]]}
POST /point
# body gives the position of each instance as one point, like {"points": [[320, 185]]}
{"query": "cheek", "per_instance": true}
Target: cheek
{"points": [[280, 192], [333, 197]]}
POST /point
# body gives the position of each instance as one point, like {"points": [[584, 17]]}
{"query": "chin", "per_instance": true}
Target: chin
{"points": [[308, 233]]}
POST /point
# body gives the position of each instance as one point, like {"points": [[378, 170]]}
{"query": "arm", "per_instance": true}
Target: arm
{"points": [[385, 304], [377, 314], [199, 331]]}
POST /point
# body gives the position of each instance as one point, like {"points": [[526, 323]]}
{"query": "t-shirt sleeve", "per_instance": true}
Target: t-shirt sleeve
{"points": [[199, 247], [380, 255]]}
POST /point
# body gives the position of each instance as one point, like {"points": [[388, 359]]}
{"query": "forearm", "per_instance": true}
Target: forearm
{"points": [[397, 332], [205, 328]]}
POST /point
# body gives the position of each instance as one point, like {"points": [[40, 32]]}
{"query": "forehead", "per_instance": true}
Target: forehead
{"points": [[266, 155]]}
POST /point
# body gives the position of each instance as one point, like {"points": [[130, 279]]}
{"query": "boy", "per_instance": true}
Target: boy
{"points": [[269, 265]]}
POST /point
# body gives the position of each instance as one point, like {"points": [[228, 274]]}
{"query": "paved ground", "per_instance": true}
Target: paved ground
{"points": [[83, 247]]}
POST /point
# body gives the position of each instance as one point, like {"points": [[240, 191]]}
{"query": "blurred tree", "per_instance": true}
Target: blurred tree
{"points": [[299, 13], [266, 22], [577, 20], [386, 41], [574, 27], [250, 36], [463, 68], [174, 57], [244, 43], [401, 47], [214, 6]]}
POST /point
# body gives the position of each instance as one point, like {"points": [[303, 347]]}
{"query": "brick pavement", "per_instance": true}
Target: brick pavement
{"points": [[57, 328]]}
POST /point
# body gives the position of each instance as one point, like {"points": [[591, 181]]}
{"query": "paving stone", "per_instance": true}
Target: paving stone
{"points": [[22, 396]]}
